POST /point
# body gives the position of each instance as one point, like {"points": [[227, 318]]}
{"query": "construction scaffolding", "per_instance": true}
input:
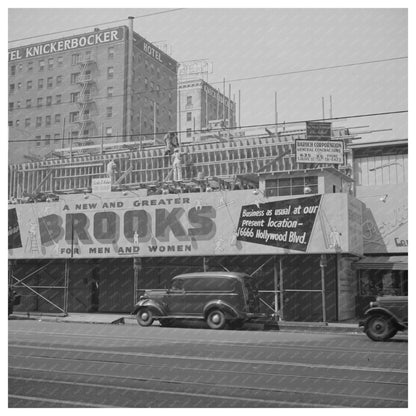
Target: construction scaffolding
{"points": [[149, 166]]}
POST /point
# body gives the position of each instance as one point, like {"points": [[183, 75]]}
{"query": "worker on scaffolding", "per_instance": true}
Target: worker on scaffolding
{"points": [[171, 142], [112, 170]]}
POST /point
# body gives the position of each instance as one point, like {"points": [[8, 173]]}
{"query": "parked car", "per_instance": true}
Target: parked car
{"points": [[385, 317], [219, 298]]}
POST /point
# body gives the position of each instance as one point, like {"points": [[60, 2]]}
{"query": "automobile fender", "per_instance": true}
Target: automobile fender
{"points": [[222, 306], [155, 307], [379, 310]]}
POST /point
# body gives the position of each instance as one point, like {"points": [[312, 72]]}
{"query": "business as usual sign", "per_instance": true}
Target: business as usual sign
{"points": [[201, 224], [286, 224], [320, 151]]}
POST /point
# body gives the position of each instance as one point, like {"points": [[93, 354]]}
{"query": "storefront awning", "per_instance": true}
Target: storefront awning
{"points": [[382, 262]]}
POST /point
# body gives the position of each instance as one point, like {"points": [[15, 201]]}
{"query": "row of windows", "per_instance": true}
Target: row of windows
{"points": [[74, 79], [42, 64], [292, 186], [40, 84], [57, 118], [74, 98]]}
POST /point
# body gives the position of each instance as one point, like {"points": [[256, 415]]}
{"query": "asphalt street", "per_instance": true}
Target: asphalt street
{"points": [[86, 365]]}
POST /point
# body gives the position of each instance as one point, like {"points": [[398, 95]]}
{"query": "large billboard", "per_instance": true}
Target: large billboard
{"points": [[210, 223]]}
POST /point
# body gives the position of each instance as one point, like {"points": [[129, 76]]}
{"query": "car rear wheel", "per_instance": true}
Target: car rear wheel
{"points": [[380, 328], [144, 317], [216, 319]]}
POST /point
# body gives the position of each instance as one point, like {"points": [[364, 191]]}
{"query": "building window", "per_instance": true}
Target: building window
{"points": [[74, 134], [20, 67], [73, 116], [47, 140], [292, 186], [49, 100], [56, 137], [74, 97], [189, 100], [37, 143], [50, 63], [19, 85], [110, 72], [29, 85], [40, 84], [13, 70], [188, 132], [58, 99], [111, 52], [30, 66], [41, 65], [12, 88], [74, 77], [59, 80], [57, 118], [11, 106], [75, 59], [109, 111], [47, 120], [39, 102], [10, 123], [189, 116], [17, 104], [27, 122], [38, 121], [108, 131], [60, 60], [29, 103], [17, 123], [110, 91], [49, 83], [87, 56]]}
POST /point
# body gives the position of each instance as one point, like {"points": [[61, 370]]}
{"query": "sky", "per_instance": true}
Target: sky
{"points": [[264, 45]]}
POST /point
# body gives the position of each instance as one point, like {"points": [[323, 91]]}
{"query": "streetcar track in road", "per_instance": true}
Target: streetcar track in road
{"points": [[220, 359], [257, 389], [222, 371], [243, 344], [55, 401], [174, 392]]}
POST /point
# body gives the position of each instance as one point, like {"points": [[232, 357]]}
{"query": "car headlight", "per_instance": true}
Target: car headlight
{"points": [[373, 304]]}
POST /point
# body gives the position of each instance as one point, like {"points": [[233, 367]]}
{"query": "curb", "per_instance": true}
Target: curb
{"points": [[130, 320]]}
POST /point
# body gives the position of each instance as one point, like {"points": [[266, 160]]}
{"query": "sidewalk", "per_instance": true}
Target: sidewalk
{"points": [[107, 318]]}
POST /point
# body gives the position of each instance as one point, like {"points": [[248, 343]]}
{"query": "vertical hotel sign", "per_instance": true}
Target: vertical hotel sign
{"points": [[67, 44]]}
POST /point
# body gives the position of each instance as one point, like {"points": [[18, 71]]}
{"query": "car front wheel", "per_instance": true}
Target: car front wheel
{"points": [[216, 319], [380, 328], [144, 317]]}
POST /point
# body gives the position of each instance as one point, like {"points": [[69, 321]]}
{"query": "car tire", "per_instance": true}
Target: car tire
{"points": [[216, 319], [144, 317], [380, 328]]}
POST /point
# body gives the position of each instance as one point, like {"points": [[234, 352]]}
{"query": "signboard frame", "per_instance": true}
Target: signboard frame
{"points": [[317, 159]]}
